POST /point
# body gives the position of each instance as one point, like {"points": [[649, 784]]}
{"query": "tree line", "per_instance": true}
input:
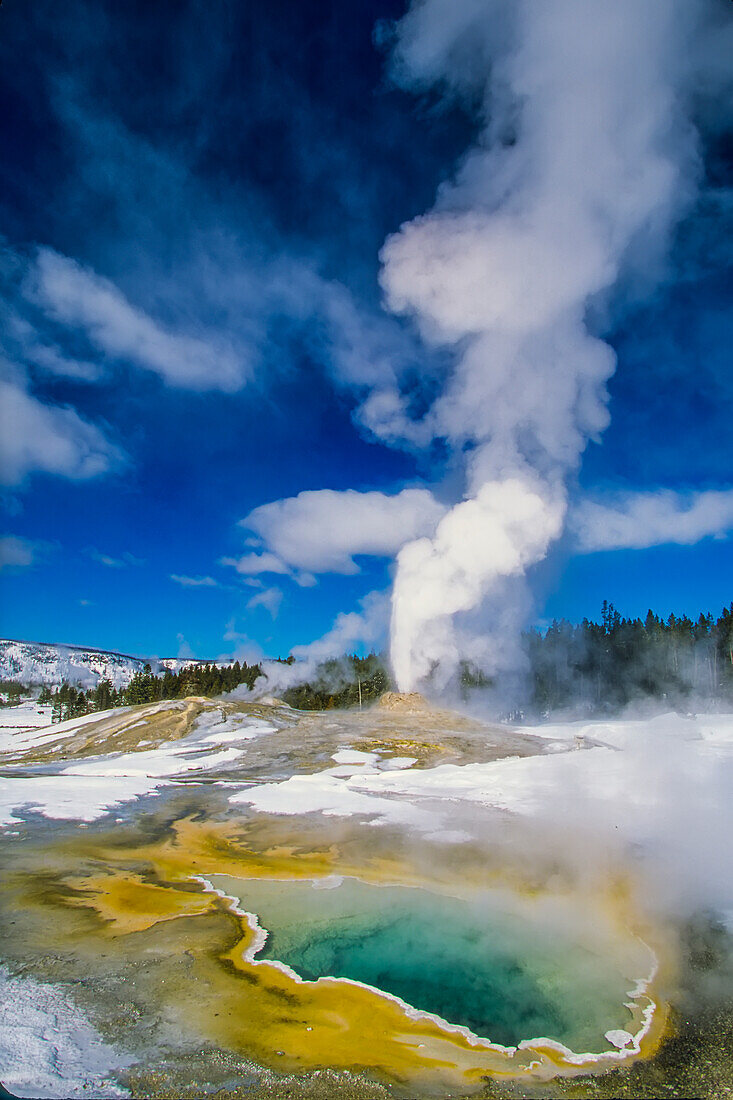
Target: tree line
{"points": [[14, 691], [350, 681], [145, 687], [608, 664], [589, 667]]}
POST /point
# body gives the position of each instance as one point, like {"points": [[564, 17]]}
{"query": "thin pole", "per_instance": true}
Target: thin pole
{"points": [[359, 681]]}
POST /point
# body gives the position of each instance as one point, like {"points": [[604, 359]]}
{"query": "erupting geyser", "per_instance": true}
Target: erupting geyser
{"points": [[585, 160], [496, 534]]}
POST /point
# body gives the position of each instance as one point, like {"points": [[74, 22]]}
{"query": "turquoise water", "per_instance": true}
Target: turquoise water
{"points": [[504, 973]]}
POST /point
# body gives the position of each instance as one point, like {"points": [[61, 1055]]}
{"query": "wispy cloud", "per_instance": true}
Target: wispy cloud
{"points": [[122, 562], [256, 563], [201, 296], [269, 598], [245, 648], [41, 438], [55, 362], [20, 553], [640, 520], [29, 337], [194, 582], [80, 298]]}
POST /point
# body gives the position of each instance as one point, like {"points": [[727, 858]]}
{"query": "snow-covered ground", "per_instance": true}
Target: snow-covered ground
{"points": [[37, 734], [42, 663], [26, 715], [520, 784], [87, 789]]}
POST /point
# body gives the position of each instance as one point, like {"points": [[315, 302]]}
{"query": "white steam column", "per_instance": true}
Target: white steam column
{"points": [[585, 162]]}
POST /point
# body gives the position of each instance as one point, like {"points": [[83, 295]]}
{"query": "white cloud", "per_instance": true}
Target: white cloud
{"points": [[17, 553], [321, 531], [79, 298], [35, 437], [269, 598], [639, 520], [245, 648], [53, 361], [194, 582], [256, 563], [111, 562], [184, 649]]}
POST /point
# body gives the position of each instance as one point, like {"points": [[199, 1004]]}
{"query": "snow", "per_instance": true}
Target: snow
{"points": [[662, 784], [75, 797], [29, 738], [519, 784], [331, 795], [40, 663], [395, 763], [354, 756], [168, 760], [48, 1048], [16, 722], [626, 732], [87, 789], [220, 727], [25, 715], [351, 761]]}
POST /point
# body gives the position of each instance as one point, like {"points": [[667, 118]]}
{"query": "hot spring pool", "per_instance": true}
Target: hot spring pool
{"points": [[506, 967]]}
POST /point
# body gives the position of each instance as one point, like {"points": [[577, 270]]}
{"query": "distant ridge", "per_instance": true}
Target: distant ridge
{"points": [[53, 662], [93, 649]]}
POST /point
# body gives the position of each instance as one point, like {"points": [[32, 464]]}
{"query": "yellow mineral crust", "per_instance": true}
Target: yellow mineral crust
{"points": [[260, 1010], [129, 904]]}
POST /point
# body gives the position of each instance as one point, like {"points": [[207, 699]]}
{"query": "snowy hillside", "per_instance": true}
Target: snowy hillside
{"points": [[42, 663]]}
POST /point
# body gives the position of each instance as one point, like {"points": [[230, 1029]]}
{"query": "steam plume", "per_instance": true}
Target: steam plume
{"points": [[585, 160]]}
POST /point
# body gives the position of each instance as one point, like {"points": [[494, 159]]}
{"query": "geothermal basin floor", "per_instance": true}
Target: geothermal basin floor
{"points": [[219, 894]]}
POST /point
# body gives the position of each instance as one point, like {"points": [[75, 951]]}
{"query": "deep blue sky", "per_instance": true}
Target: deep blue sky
{"points": [[225, 166]]}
